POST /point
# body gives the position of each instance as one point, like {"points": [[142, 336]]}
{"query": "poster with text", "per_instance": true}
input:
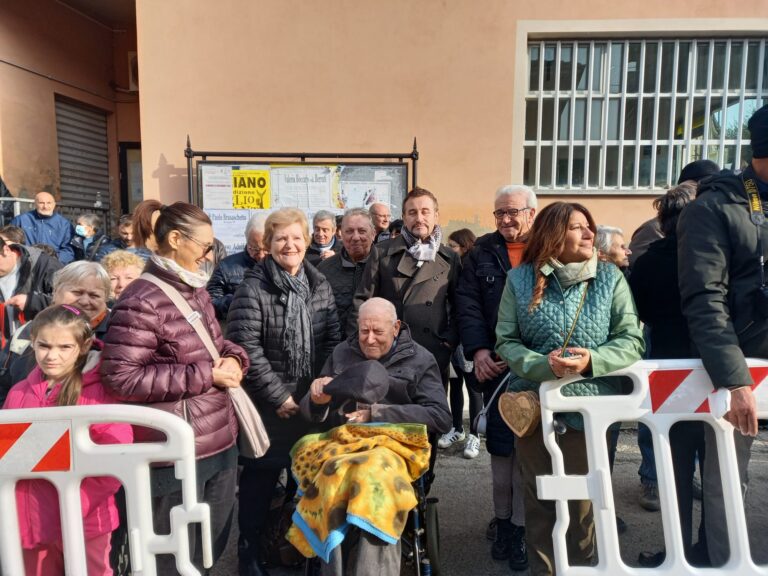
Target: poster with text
{"points": [[250, 188]]}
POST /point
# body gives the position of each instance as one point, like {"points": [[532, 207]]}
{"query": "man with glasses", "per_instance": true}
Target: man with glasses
{"points": [[477, 297], [230, 272], [381, 216]]}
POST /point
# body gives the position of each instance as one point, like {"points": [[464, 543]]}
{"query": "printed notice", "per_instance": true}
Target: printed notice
{"points": [[307, 188], [250, 189], [217, 187]]}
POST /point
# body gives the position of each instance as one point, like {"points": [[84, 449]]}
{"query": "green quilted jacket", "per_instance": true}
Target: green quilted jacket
{"points": [[608, 326]]}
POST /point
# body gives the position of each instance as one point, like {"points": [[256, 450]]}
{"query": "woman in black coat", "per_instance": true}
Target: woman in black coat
{"points": [[284, 316]]}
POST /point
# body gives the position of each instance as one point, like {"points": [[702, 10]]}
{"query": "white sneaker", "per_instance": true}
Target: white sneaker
{"points": [[450, 438], [472, 447]]}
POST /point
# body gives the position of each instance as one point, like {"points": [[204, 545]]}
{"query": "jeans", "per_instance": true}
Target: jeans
{"points": [[647, 470]]}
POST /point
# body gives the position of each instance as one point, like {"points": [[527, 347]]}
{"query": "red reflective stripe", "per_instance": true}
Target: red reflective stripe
{"points": [[9, 434], [758, 375], [662, 383], [58, 458]]}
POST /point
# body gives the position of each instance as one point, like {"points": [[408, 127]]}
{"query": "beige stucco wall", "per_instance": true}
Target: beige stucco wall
{"points": [[363, 76], [48, 49]]}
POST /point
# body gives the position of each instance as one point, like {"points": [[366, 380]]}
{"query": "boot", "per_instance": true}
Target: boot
{"points": [[500, 549], [249, 561], [518, 553]]}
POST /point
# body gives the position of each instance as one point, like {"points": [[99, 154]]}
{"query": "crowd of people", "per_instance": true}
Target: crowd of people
{"points": [[408, 319]]}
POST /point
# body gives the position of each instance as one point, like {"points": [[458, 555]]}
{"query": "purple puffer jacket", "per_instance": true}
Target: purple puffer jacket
{"points": [[153, 356]]}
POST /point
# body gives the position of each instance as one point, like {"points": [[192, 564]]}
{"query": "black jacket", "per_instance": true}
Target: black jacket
{"points": [[226, 278], [657, 296], [344, 277], [90, 253], [256, 321], [313, 252], [477, 298], [415, 394], [719, 279], [424, 296]]}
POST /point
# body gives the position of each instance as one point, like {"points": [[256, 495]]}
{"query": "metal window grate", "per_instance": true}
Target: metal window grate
{"points": [[627, 115]]}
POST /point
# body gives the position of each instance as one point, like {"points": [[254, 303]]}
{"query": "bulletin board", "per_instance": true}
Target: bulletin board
{"points": [[233, 192]]}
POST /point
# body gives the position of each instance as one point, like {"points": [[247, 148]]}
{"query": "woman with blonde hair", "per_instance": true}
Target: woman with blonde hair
{"points": [[564, 313], [284, 316], [123, 267]]}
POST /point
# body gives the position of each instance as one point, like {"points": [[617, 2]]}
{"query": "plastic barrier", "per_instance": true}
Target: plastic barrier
{"points": [[54, 444], [665, 392]]}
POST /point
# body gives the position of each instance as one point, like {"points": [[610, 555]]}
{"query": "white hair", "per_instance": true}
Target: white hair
{"points": [[255, 224], [604, 237], [380, 305], [512, 189], [323, 215], [359, 212]]}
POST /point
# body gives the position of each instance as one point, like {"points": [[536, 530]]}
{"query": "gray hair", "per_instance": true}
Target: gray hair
{"points": [[381, 304], [75, 272], [359, 212], [93, 220], [321, 215], [512, 189], [604, 237], [255, 224]]}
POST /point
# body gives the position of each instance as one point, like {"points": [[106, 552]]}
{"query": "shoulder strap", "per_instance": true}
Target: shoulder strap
{"points": [[576, 318], [194, 318]]}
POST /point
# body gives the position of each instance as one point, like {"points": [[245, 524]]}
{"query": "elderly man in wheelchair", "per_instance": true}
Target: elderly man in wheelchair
{"points": [[380, 398]]}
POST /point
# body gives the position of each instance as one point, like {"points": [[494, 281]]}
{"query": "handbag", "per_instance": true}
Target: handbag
{"points": [[521, 411], [481, 420], [253, 440]]}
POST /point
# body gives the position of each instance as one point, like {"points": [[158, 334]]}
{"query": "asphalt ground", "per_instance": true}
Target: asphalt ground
{"points": [[464, 489]]}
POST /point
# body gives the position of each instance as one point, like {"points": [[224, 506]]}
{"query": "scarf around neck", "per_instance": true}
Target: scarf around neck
{"points": [[423, 251], [297, 334], [574, 273], [193, 279]]}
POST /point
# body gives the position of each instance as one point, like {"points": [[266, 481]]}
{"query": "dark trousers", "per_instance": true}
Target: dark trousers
{"points": [[686, 440], [456, 398], [219, 493]]}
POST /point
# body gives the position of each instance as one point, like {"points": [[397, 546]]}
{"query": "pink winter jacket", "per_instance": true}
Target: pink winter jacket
{"points": [[38, 500]]}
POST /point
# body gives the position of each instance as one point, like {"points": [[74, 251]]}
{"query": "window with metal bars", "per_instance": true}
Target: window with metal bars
{"points": [[627, 115]]}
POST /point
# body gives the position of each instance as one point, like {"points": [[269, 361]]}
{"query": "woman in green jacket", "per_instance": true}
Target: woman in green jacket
{"points": [[561, 289]]}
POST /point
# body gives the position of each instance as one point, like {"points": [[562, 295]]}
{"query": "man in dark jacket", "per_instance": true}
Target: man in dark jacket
{"points": [[324, 242], [721, 247], [345, 269], [43, 226], [413, 393], [478, 296], [230, 272], [418, 275], [26, 285]]}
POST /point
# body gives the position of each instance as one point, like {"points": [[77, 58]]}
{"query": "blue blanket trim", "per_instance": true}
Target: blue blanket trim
{"points": [[370, 528]]}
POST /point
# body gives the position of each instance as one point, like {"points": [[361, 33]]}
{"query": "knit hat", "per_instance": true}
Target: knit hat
{"points": [[758, 128], [366, 382], [698, 170]]}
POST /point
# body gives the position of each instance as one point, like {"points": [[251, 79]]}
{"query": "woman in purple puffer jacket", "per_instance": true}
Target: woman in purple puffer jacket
{"points": [[153, 356]]}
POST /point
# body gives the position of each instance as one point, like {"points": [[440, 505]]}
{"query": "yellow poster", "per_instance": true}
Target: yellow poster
{"points": [[250, 189]]}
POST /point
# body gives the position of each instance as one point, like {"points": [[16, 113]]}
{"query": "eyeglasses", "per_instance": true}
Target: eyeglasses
{"points": [[510, 212], [207, 248]]}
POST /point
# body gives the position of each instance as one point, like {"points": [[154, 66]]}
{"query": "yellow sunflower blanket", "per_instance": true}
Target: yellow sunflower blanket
{"points": [[359, 475]]}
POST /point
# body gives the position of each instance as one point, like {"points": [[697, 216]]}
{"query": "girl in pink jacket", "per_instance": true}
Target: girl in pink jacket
{"points": [[67, 373]]}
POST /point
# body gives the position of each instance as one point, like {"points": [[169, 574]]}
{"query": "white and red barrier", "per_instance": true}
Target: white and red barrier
{"points": [[54, 444], [665, 392]]}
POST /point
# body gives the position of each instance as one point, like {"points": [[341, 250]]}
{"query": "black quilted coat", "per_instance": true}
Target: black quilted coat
{"points": [[256, 321]]}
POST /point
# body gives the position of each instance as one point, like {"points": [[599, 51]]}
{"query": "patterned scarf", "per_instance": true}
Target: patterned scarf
{"points": [[423, 251], [297, 337], [573, 273], [194, 279]]}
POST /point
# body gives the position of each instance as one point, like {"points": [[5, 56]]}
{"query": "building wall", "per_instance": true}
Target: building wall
{"points": [[365, 76], [49, 50]]}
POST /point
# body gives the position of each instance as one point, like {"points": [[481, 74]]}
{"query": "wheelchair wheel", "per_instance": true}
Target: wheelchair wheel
{"points": [[432, 532]]}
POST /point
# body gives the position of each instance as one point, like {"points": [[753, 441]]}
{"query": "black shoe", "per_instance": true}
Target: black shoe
{"points": [[621, 526], [490, 532], [651, 559], [248, 560], [518, 553], [500, 550]]}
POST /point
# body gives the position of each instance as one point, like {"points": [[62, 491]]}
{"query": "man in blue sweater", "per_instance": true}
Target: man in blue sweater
{"points": [[42, 226]]}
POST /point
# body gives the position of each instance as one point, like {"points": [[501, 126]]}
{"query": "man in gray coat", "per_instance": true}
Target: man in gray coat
{"points": [[418, 275], [721, 248]]}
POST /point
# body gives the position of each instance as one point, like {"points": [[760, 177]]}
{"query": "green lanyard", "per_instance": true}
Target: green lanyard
{"points": [[757, 217]]}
